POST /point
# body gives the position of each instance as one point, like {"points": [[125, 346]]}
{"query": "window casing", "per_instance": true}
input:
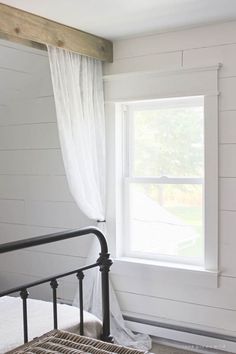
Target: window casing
{"points": [[123, 90]]}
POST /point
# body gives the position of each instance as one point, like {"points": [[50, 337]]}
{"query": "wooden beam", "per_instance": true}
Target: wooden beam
{"points": [[35, 31]]}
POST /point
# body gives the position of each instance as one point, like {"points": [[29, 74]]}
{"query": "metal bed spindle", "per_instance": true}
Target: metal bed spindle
{"points": [[80, 276], [24, 295], [54, 286], [103, 263]]}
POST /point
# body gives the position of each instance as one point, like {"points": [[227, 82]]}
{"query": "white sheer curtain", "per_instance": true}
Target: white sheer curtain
{"points": [[78, 91]]}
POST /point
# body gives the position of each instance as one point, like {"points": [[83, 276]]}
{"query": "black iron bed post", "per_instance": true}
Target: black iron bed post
{"points": [[104, 262], [80, 276]]}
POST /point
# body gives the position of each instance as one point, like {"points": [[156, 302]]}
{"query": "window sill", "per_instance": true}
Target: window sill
{"points": [[165, 272]]}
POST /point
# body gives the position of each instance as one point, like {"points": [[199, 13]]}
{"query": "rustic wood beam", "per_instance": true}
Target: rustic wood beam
{"points": [[35, 31]]}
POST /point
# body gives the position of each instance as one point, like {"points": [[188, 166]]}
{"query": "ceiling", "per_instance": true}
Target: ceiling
{"points": [[115, 19]]}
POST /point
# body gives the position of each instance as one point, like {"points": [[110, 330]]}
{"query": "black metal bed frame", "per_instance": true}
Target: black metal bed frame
{"points": [[103, 262]]}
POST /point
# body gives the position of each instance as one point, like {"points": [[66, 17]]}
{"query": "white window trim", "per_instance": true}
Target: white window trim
{"points": [[164, 272], [207, 276]]}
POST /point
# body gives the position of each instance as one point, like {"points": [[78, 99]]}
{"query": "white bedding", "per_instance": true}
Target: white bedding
{"points": [[40, 321]]}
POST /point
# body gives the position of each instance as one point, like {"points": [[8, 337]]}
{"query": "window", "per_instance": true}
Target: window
{"points": [[163, 180]]}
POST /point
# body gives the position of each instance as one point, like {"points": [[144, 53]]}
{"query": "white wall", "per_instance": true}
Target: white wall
{"points": [[34, 195], [164, 298]]}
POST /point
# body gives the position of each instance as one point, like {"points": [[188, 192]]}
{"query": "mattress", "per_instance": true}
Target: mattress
{"points": [[40, 321], [67, 343]]}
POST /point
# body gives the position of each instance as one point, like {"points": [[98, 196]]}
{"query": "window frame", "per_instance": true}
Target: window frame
{"points": [[129, 178], [210, 259]]}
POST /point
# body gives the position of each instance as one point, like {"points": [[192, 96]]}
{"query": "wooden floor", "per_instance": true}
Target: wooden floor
{"points": [[163, 349]]}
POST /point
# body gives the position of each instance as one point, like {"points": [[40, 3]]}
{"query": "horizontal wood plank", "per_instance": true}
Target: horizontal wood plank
{"points": [[198, 37], [72, 247], [227, 100], [227, 161], [37, 188], [187, 314], [30, 136], [222, 297], [12, 211], [228, 194], [41, 264], [31, 111], [227, 243], [61, 215], [21, 26], [31, 162], [162, 61], [225, 54], [55, 214], [66, 289], [227, 127]]}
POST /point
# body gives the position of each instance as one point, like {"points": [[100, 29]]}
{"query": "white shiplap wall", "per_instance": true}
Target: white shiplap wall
{"points": [[167, 300], [34, 195]]}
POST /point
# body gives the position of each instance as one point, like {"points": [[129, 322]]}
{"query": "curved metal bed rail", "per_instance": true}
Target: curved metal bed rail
{"points": [[103, 262], [58, 236]]}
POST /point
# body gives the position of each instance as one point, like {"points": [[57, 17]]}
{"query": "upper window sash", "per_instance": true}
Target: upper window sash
{"points": [[129, 112]]}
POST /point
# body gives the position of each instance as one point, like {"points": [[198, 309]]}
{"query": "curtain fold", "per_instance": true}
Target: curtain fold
{"points": [[78, 92]]}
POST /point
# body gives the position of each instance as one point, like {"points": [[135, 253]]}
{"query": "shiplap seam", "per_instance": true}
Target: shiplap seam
{"points": [[163, 72], [177, 301]]}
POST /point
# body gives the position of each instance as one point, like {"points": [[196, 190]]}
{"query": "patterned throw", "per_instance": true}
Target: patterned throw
{"points": [[68, 343]]}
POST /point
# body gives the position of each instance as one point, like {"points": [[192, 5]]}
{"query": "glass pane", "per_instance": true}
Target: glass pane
{"points": [[168, 141], [166, 219]]}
